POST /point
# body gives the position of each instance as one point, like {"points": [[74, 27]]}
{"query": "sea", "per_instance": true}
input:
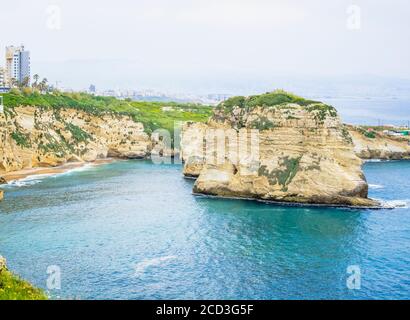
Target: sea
{"points": [[134, 230]]}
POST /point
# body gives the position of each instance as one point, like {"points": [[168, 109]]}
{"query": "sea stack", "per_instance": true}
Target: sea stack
{"points": [[275, 147]]}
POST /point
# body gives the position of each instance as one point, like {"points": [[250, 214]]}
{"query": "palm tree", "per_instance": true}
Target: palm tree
{"points": [[36, 77], [26, 82], [13, 82], [43, 85]]}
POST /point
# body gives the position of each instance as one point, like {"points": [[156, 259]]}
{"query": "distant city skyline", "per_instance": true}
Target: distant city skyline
{"points": [[212, 46]]}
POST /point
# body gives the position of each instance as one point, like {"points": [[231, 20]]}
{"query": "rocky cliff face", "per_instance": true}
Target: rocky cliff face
{"points": [[34, 137], [301, 153], [380, 147]]}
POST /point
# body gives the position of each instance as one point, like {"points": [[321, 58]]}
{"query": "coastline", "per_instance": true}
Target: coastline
{"points": [[29, 172], [295, 204], [13, 287]]}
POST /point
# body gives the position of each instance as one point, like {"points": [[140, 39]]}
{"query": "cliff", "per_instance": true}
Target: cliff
{"points": [[39, 137], [275, 147], [379, 146], [14, 288]]}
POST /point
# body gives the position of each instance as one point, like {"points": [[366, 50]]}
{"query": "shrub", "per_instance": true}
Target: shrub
{"points": [[262, 123], [21, 139], [149, 113], [78, 134], [14, 288]]}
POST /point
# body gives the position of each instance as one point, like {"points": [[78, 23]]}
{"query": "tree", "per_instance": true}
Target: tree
{"points": [[26, 82], [36, 77], [43, 85], [13, 83]]}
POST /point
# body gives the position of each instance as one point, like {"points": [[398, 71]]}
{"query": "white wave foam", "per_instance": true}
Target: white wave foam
{"points": [[376, 186], [79, 169], [395, 204], [145, 264], [29, 180], [37, 178]]}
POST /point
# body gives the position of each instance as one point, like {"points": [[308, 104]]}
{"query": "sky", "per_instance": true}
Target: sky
{"points": [[223, 46]]}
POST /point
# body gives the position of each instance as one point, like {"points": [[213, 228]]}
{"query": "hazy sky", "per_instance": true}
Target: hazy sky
{"points": [[203, 46]]}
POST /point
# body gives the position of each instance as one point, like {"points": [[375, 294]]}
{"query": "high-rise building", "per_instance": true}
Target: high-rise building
{"points": [[17, 64], [2, 77], [92, 89]]}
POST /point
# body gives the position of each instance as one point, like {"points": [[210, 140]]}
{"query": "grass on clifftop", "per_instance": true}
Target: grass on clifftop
{"points": [[13, 288], [272, 99], [154, 115]]}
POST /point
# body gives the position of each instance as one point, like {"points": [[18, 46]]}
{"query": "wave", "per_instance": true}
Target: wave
{"points": [[375, 186], [37, 178], [84, 167], [145, 264], [28, 181], [395, 204], [382, 160]]}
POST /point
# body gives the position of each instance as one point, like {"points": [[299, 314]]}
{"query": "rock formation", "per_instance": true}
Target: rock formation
{"points": [[3, 264], [302, 153], [380, 146], [36, 137]]}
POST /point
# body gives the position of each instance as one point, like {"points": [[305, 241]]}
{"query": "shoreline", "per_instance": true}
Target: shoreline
{"points": [[295, 204], [29, 172], [18, 175]]}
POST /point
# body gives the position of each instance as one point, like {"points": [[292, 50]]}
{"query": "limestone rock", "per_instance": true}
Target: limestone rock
{"points": [[193, 148], [34, 137], [301, 153], [381, 147], [2, 263]]}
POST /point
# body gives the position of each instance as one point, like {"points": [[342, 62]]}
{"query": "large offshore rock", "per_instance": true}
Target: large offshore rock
{"points": [[302, 153]]}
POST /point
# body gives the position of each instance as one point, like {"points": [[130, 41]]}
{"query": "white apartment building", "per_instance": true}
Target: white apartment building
{"points": [[2, 77], [17, 64]]}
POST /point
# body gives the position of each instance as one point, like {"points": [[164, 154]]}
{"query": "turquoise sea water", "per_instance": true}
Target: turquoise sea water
{"points": [[133, 230]]}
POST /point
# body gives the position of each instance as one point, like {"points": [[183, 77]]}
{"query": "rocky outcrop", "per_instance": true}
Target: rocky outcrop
{"points": [[36, 137], [380, 146], [275, 147], [3, 264]]}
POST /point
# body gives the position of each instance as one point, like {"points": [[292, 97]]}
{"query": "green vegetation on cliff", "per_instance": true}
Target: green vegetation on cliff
{"points": [[288, 168], [14, 288], [278, 99], [153, 115], [21, 139], [262, 123]]}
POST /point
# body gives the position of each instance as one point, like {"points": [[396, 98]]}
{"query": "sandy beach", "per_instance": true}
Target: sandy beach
{"points": [[22, 174]]}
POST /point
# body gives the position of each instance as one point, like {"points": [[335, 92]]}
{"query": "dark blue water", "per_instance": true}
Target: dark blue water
{"points": [[133, 230]]}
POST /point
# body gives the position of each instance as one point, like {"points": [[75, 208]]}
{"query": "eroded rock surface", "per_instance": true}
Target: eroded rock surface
{"points": [[305, 154], [35, 137], [380, 147]]}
